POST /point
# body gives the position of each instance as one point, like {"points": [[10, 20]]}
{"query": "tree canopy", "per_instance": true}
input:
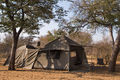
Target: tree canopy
{"points": [[26, 14], [82, 38], [98, 14], [17, 16]]}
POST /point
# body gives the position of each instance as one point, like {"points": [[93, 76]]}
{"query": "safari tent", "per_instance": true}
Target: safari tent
{"points": [[61, 53], [24, 55]]}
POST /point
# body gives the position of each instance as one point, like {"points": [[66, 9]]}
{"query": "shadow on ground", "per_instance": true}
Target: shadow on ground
{"points": [[97, 70]]}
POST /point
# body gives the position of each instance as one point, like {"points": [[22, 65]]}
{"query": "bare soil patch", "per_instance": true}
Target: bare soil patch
{"points": [[99, 73]]}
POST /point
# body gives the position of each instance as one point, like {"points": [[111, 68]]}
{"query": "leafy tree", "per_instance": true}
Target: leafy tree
{"points": [[82, 38], [99, 14], [51, 35], [18, 16], [55, 34]]}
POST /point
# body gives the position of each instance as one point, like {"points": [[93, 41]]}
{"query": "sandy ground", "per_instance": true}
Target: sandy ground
{"points": [[39, 74]]}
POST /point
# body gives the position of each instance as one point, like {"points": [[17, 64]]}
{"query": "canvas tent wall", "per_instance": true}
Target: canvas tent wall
{"points": [[55, 55], [46, 62], [23, 54], [61, 47], [20, 53]]}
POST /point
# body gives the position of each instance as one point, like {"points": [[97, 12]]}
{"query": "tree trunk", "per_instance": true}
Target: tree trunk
{"points": [[111, 36], [115, 52], [13, 52]]}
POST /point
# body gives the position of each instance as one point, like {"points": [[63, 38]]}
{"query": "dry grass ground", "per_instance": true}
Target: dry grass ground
{"points": [[39, 74]]}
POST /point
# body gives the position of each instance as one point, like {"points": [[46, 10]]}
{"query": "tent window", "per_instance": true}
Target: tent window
{"points": [[53, 55], [73, 54]]}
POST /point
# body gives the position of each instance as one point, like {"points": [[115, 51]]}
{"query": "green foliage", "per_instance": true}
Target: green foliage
{"points": [[82, 38], [55, 34], [27, 14], [95, 13]]}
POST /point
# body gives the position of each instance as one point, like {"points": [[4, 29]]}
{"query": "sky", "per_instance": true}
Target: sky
{"points": [[98, 36], [53, 25]]}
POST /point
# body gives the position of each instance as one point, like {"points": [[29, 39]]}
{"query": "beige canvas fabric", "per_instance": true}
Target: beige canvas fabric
{"points": [[55, 55]]}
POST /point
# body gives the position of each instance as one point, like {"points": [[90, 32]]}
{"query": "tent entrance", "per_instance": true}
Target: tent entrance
{"points": [[75, 60]]}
